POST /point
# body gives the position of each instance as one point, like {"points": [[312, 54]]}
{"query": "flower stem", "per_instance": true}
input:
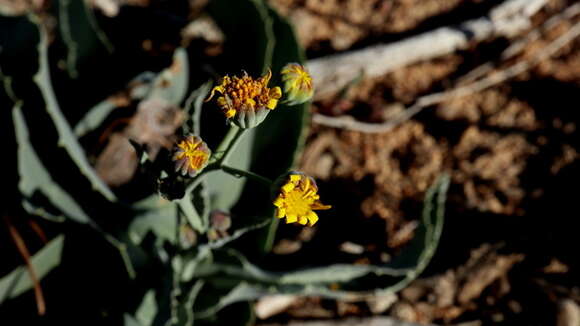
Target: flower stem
{"points": [[250, 175], [227, 145]]}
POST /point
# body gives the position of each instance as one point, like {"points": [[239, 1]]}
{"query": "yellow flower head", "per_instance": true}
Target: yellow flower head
{"points": [[246, 100], [297, 198], [191, 155], [297, 84]]}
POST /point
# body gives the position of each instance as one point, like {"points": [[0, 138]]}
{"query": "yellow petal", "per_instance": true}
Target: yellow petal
{"points": [[319, 206], [307, 184], [291, 218], [295, 177], [178, 156], [288, 187], [251, 102], [303, 220], [230, 113], [280, 212], [312, 218], [266, 78], [219, 89], [278, 202], [275, 92], [272, 104], [221, 101]]}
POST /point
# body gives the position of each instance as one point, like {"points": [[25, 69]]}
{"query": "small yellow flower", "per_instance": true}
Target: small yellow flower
{"points": [[297, 198], [297, 84], [191, 155], [245, 100]]}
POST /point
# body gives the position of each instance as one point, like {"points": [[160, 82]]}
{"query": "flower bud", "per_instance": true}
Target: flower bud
{"points": [[191, 155], [297, 84]]}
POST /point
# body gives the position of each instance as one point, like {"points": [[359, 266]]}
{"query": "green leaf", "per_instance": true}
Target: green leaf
{"points": [[420, 250], [201, 202], [287, 127], [34, 176], [96, 115], [162, 221], [249, 35], [338, 273], [237, 234], [193, 107], [128, 320], [185, 312], [224, 197], [242, 292], [171, 84], [80, 33], [18, 281], [204, 251], [188, 210], [147, 310], [35, 210], [67, 138]]}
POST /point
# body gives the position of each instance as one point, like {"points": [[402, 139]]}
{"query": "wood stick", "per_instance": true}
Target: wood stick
{"points": [[332, 73]]}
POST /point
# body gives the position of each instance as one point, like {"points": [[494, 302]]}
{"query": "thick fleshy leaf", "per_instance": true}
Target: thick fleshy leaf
{"points": [[171, 84], [34, 176], [193, 107], [96, 115], [67, 139], [161, 220], [80, 33]]}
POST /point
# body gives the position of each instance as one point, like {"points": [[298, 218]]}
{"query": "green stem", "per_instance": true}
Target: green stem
{"points": [[199, 178], [229, 142], [250, 175]]}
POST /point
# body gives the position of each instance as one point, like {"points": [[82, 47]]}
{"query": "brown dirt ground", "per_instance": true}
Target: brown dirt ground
{"points": [[507, 255]]}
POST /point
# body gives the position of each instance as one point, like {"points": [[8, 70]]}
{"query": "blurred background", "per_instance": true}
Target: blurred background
{"points": [[485, 93]]}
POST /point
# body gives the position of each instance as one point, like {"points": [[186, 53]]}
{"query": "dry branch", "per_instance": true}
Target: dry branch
{"points": [[334, 72], [347, 122], [370, 321]]}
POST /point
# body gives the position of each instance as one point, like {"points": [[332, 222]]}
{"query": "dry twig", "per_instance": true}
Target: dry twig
{"points": [[422, 102], [334, 72], [23, 250]]}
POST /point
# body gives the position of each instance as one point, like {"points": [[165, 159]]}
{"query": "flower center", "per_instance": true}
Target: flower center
{"points": [[303, 81], [299, 202], [245, 94], [298, 199], [195, 157]]}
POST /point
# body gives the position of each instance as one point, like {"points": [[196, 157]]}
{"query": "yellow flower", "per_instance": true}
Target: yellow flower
{"points": [[191, 155], [297, 198], [245, 100], [297, 84]]}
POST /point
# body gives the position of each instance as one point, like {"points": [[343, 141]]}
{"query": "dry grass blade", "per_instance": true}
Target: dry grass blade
{"points": [[23, 250], [38, 230]]}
